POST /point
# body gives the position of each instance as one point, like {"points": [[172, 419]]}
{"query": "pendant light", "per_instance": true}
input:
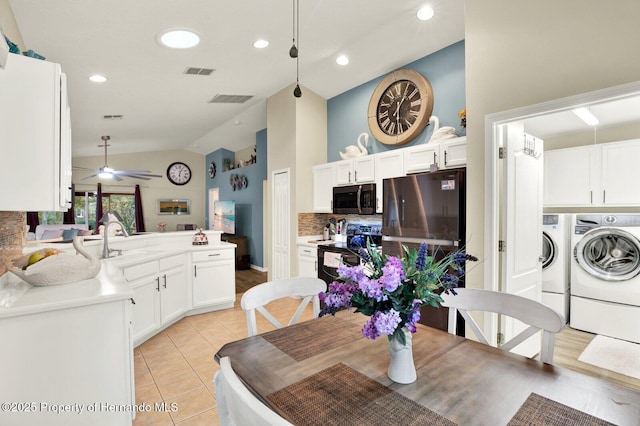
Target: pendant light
{"points": [[294, 51]]}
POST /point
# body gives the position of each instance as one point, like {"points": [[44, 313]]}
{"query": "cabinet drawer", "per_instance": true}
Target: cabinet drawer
{"points": [[172, 262], [136, 272], [307, 251], [209, 255]]}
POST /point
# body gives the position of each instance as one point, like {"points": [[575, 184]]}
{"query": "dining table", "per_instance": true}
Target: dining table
{"points": [[323, 371]]}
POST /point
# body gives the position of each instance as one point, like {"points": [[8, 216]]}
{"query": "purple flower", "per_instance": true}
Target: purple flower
{"points": [[354, 273], [339, 294], [392, 274], [421, 260], [414, 316], [369, 330], [386, 322], [372, 288]]}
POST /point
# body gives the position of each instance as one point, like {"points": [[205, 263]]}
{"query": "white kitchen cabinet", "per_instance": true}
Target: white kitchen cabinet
{"points": [[446, 153], [73, 356], [213, 274], [160, 288], [593, 175], [354, 171], [307, 261], [323, 176], [35, 130], [388, 164]]}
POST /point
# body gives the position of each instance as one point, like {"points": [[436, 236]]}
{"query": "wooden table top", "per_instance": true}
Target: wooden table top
{"points": [[465, 381]]}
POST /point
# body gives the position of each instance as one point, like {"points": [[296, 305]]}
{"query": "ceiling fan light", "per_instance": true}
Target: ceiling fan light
{"points": [[105, 175]]}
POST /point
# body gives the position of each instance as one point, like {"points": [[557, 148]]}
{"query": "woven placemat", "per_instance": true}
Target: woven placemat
{"points": [[339, 395], [304, 340], [538, 410]]}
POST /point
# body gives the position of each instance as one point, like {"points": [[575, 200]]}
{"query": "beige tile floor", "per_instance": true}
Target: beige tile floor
{"points": [[176, 366]]}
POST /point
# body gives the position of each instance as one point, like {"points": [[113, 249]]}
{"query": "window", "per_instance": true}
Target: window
{"points": [[124, 204]]}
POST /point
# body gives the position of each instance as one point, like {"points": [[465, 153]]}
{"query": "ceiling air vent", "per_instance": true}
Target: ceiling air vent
{"points": [[112, 117], [229, 99], [198, 71]]}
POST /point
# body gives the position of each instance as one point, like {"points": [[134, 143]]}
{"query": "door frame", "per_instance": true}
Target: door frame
{"points": [[491, 176]]}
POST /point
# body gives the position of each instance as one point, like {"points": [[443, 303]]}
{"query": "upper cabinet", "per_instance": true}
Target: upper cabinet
{"points": [[323, 175], [354, 171], [592, 175], [388, 164], [35, 169], [445, 153]]}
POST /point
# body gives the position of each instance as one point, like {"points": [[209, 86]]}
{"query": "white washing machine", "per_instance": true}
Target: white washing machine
{"points": [[556, 253], [605, 275]]}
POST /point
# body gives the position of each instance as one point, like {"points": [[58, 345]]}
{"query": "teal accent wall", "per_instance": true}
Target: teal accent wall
{"points": [[347, 112], [248, 200]]}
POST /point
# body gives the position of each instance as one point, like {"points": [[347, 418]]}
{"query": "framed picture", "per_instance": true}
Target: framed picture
{"points": [[174, 206]]}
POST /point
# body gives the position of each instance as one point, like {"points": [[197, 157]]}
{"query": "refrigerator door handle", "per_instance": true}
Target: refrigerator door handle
{"points": [[359, 197], [430, 241]]}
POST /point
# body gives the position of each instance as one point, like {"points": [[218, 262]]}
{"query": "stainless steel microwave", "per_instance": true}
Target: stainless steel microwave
{"points": [[354, 199]]}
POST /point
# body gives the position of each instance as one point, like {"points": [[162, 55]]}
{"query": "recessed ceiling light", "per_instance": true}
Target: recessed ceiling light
{"points": [[342, 60], [425, 13], [179, 39], [260, 44], [97, 78]]}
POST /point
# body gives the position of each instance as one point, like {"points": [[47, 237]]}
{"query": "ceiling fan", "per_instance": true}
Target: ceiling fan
{"points": [[106, 172]]}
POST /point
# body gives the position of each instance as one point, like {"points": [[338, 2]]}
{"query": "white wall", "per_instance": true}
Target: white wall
{"points": [[9, 25], [155, 188], [520, 53]]}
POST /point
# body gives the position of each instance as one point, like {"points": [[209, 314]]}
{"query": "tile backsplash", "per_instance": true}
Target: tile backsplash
{"points": [[12, 239], [313, 223]]}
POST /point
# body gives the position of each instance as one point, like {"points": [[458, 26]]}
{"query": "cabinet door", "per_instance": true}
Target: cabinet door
{"points": [[420, 158], [214, 281], [307, 262], [621, 173], [344, 172], [453, 152], [323, 188], [30, 132], [572, 177], [389, 164], [146, 311], [364, 169], [173, 294]]}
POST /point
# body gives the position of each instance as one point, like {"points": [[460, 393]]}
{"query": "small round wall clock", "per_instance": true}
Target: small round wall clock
{"points": [[212, 169], [400, 107], [179, 173]]}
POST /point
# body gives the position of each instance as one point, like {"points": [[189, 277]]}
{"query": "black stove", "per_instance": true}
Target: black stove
{"points": [[329, 255]]}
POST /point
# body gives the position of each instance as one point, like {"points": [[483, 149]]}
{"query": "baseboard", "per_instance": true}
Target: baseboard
{"points": [[258, 268]]}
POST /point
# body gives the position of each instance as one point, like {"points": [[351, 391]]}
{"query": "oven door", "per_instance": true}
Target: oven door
{"points": [[329, 259]]}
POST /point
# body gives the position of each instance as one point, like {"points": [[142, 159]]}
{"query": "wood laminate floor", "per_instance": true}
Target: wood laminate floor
{"points": [[176, 366]]}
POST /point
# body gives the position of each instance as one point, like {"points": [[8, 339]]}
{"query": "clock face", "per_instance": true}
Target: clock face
{"points": [[212, 170], [400, 107], [179, 173]]}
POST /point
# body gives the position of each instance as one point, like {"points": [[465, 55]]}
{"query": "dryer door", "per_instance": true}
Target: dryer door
{"points": [[610, 254], [549, 250]]}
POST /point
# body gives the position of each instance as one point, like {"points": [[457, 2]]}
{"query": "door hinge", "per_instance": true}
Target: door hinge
{"points": [[501, 153], [500, 338], [502, 245]]}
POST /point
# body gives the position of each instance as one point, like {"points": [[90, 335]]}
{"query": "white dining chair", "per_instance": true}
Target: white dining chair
{"points": [[257, 297], [237, 406], [534, 314]]}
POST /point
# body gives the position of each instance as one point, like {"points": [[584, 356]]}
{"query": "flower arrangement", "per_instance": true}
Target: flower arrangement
{"points": [[463, 117], [391, 291]]}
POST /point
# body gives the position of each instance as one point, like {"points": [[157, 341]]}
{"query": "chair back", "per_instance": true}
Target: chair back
{"points": [[536, 315], [257, 297], [237, 406]]}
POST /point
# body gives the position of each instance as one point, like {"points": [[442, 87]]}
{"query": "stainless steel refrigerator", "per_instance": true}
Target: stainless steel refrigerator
{"points": [[425, 207]]}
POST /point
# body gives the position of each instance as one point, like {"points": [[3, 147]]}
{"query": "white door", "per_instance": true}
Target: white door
{"points": [[521, 207], [280, 260], [213, 197]]}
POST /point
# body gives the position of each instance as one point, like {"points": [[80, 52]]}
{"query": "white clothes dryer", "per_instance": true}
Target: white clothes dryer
{"points": [[556, 261], [605, 275]]}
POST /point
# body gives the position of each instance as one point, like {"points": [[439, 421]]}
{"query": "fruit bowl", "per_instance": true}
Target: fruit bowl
{"points": [[59, 268]]}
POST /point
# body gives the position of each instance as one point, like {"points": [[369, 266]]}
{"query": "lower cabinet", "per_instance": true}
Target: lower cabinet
{"points": [[307, 261], [213, 275], [161, 291]]}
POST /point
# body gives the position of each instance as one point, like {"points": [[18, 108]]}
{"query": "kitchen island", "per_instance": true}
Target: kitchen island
{"points": [[67, 355]]}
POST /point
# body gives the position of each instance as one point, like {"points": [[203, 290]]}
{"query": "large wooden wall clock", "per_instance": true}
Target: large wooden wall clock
{"points": [[400, 107]]}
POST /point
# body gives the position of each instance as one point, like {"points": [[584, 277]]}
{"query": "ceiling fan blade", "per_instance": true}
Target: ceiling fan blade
{"points": [[138, 177], [86, 169], [117, 178], [90, 176], [121, 172]]}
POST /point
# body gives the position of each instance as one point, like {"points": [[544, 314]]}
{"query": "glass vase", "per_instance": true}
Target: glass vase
{"points": [[401, 366]]}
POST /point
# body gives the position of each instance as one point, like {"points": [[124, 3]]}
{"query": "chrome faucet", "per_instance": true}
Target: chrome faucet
{"points": [[111, 218]]}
